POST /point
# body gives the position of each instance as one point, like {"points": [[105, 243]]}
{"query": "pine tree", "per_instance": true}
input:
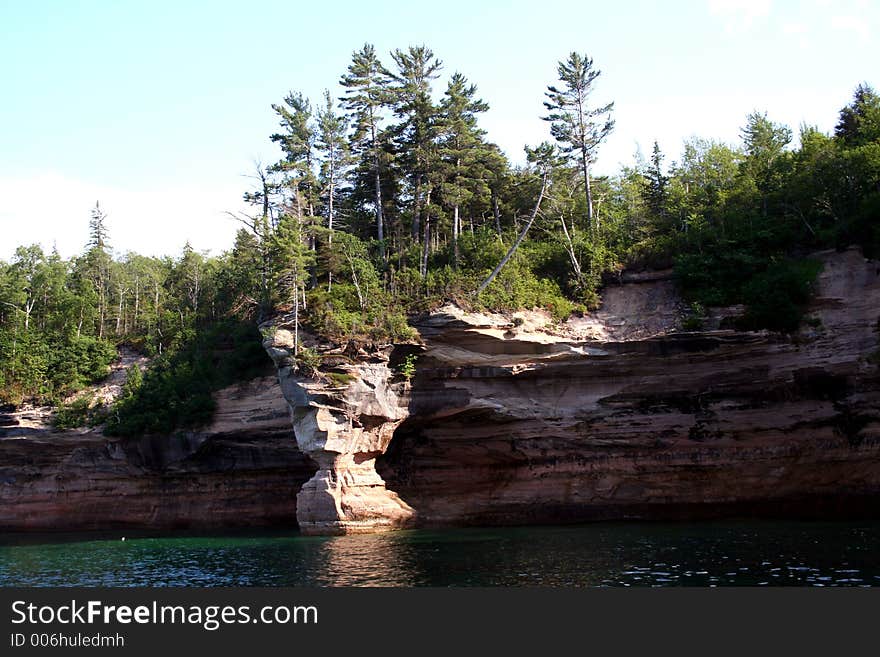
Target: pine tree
{"points": [[859, 122], [577, 127], [414, 136], [656, 192], [366, 88], [98, 263], [292, 259], [461, 146], [335, 157], [297, 142], [98, 228]]}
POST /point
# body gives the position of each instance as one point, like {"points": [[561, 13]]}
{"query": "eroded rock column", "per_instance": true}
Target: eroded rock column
{"points": [[343, 423]]}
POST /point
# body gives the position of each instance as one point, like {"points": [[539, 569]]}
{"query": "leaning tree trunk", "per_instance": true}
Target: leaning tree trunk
{"points": [[520, 237], [572, 256]]}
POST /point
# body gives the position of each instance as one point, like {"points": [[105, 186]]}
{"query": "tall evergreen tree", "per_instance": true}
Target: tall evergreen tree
{"points": [[417, 67], [292, 260], [577, 127], [297, 141], [656, 191], [461, 146], [98, 233], [859, 122], [98, 262], [366, 89], [335, 158]]}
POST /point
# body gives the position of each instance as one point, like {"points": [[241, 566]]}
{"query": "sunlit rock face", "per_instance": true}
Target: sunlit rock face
{"points": [[343, 424], [624, 415]]}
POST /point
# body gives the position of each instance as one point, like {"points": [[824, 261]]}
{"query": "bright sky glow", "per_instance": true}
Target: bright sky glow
{"points": [[159, 109]]}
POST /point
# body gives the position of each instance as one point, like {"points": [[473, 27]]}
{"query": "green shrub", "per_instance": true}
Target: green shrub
{"points": [[750, 270], [308, 359], [339, 379], [48, 366], [695, 318], [83, 411], [407, 368], [176, 392], [776, 298], [517, 287], [336, 314]]}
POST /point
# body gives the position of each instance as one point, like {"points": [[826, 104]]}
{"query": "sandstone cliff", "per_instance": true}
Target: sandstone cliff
{"points": [[507, 420], [242, 471], [512, 420]]}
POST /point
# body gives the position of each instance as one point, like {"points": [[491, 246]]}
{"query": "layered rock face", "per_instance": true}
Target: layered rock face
{"points": [[343, 421], [514, 422], [507, 420], [242, 471]]}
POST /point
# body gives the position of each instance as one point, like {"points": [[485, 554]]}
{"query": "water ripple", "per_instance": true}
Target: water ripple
{"points": [[603, 554]]}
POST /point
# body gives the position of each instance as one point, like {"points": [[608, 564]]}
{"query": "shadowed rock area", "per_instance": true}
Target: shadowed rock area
{"points": [[242, 471], [507, 426]]}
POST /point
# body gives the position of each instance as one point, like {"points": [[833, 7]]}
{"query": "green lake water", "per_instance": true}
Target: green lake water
{"points": [[730, 553]]}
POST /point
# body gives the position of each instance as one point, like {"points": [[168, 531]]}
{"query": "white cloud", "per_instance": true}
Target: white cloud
{"points": [[49, 208]]}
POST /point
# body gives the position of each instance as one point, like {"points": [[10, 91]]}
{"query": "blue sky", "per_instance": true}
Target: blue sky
{"points": [[159, 109]]}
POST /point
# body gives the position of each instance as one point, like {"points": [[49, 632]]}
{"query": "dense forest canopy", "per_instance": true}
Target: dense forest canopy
{"points": [[388, 199]]}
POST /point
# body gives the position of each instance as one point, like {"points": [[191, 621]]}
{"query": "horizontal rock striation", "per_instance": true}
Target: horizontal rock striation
{"points": [[512, 423], [242, 471]]}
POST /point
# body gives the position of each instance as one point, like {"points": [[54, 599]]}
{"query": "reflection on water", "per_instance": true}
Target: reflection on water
{"points": [[607, 554]]}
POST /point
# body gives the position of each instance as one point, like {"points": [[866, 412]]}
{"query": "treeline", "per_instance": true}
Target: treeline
{"points": [[62, 320], [387, 201]]}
